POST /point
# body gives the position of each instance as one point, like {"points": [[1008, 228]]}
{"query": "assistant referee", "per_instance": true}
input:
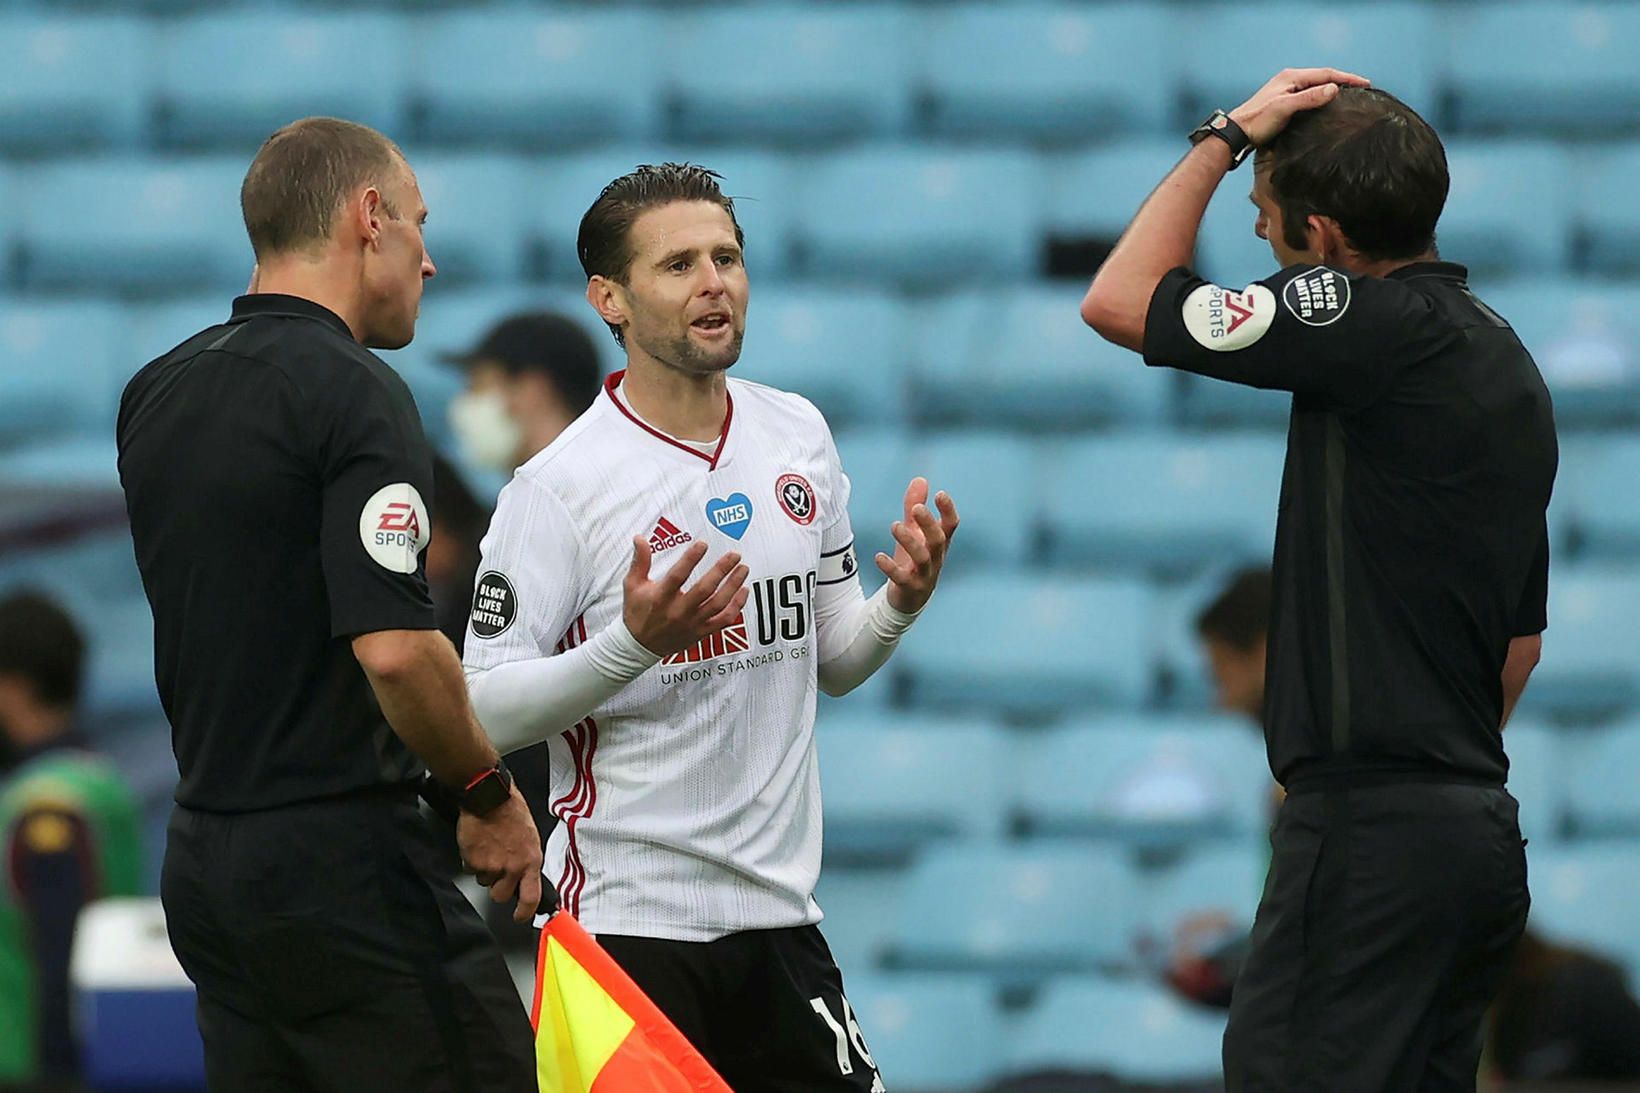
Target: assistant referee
{"points": [[1409, 585], [276, 477]]}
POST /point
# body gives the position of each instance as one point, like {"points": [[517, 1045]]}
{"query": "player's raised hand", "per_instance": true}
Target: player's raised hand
{"points": [[1290, 91], [664, 616], [920, 543]]}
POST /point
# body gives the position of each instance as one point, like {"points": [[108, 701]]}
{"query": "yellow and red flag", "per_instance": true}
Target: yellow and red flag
{"points": [[596, 1032]]}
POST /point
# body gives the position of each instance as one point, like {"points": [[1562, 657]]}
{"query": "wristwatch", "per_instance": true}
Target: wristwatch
{"points": [[489, 791], [1218, 124]]}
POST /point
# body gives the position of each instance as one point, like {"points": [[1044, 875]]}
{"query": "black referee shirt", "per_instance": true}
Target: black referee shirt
{"points": [[1411, 543], [275, 473]]}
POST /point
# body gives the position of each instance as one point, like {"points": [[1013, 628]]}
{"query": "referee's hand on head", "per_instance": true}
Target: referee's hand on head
{"points": [[503, 850]]}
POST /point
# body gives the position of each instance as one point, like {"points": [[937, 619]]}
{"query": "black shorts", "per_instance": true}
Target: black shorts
{"points": [[765, 1007], [1386, 922], [331, 953]]}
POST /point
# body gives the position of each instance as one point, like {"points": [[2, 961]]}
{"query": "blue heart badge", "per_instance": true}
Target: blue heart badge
{"points": [[731, 515]]}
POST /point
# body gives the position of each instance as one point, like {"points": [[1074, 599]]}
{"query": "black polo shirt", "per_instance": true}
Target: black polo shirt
{"points": [[276, 476], [1411, 542]]}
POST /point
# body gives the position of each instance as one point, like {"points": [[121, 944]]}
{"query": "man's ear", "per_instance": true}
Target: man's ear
{"points": [[368, 212], [1326, 239], [608, 299]]}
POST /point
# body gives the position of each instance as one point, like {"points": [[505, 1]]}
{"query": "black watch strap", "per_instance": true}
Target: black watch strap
{"points": [[489, 791], [1218, 124]]}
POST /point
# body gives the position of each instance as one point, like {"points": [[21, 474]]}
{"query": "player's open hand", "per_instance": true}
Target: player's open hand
{"points": [[503, 850], [1290, 91], [920, 543], [664, 616]]}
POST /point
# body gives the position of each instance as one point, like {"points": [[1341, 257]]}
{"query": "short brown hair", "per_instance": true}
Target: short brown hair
{"points": [[1367, 160], [302, 175], [1240, 615]]}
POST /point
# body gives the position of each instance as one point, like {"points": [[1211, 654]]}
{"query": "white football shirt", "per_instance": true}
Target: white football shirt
{"points": [[690, 801]]}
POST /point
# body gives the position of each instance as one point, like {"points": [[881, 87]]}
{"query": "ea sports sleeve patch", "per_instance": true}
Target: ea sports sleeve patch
{"points": [[1223, 319]]}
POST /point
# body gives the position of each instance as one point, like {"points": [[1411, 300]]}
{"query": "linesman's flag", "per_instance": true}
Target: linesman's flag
{"points": [[596, 1032]]}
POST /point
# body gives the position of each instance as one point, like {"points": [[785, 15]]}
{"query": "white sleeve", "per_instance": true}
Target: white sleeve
{"points": [[530, 591]]}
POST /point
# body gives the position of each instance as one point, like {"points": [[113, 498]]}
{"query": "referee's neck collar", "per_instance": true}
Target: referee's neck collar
{"points": [[1433, 267], [277, 303]]}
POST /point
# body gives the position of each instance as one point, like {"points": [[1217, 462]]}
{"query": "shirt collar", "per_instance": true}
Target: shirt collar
{"points": [[275, 303], [1451, 271], [713, 461]]}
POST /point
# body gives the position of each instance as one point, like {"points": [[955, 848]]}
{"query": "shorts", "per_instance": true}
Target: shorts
{"points": [[765, 1007]]}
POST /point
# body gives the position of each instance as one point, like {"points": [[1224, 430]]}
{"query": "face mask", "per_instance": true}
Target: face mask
{"points": [[487, 435]]}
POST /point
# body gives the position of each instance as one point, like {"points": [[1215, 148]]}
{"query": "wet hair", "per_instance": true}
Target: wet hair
{"points": [[1368, 161], [41, 643], [301, 176], [1240, 615]]}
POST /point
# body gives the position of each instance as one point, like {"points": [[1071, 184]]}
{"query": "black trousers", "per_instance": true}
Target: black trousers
{"points": [[765, 1007], [1387, 918], [331, 954]]}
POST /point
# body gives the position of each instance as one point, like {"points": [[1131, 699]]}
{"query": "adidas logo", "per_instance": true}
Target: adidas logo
{"points": [[666, 536]]}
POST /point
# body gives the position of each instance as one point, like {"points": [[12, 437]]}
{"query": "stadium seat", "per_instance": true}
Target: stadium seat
{"points": [[1186, 682], [861, 906], [1020, 912], [1147, 781], [1095, 192], [989, 476], [1135, 1031], [1029, 646], [472, 216], [1589, 668], [928, 1033], [1585, 893], [1161, 500], [1607, 218], [880, 464], [1605, 769], [1602, 497], [843, 350], [1584, 334], [1539, 764], [561, 189], [1023, 358], [1049, 70], [72, 82], [525, 77], [920, 215], [58, 368], [788, 73], [1225, 880], [96, 567], [140, 226], [155, 327], [229, 80], [1509, 207], [892, 784], [1551, 67], [1235, 48]]}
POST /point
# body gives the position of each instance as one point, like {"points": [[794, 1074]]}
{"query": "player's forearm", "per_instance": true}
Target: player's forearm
{"points": [[856, 639], [1524, 654], [1161, 237], [526, 701], [417, 679]]}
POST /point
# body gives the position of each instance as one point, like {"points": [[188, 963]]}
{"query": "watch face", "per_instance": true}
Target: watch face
{"points": [[1219, 121]]}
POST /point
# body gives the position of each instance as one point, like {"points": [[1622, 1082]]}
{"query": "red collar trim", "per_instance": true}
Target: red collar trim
{"points": [[614, 381]]}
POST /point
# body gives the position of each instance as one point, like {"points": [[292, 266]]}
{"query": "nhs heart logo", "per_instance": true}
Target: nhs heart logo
{"points": [[731, 515]]}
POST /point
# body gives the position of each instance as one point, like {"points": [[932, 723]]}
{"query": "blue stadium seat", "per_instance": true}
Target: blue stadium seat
{"points": [[1052, 70], [1094, 193], [989, 476], [1584, 334], [142, 226], [1605, 770], [1131, 1030], [1024, 358], [58, 368], [230, 80], [1224, 880], [797, 73], [1509, 207], [472, 216], [94, 568], [860, 905], [762, 185], [562, 188], [1017, 643], [929, 1032], [1148, 781], [893, 785], [155, 327], [1187, 683], [73, 461], [1551, 67], [1235, 48], [1018, 911], [72, 82], [921, 215], [1602, 488], [1538, 768], [843, 350], [1607, 218], [525, 77], [1589, 667], [1585, 894], [880, 463], [1163, 500]]}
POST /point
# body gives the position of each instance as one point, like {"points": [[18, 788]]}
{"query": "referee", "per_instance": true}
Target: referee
{"points": [[1409, 586], [276, 473]]}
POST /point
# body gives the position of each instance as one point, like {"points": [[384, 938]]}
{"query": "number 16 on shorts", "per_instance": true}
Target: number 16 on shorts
{"points": [[847, 1031]]}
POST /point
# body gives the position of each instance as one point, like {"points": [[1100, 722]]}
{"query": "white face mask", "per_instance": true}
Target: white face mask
{"points": [[488, 436]]}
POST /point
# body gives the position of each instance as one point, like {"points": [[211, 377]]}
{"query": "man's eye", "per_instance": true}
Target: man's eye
{"points": [[679, 266]]}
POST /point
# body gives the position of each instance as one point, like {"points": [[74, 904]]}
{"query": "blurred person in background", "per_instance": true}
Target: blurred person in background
{"points": [[1410, 578], [1563, 1014], [1233, 630], [274, 473], [69, 834], [528, 377], [459, 519]]}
